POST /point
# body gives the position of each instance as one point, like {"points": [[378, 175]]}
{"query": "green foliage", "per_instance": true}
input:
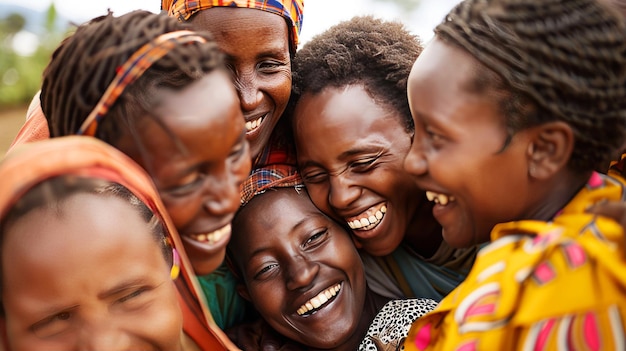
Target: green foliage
{"points": [[20, 76], [408, 5]]}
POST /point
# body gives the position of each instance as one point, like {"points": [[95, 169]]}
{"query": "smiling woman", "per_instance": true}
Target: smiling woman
{"points": [[303, 274]]}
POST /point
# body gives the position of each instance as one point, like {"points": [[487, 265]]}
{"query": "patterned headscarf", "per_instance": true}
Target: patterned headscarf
{"points": [[274, 176], [291, 10]]}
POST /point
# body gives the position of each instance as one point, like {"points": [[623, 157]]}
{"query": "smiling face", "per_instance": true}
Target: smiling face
{"points": [[256, 44], [198, 164], [459, 154], [104, 286], [301, 270], [350, 152]]}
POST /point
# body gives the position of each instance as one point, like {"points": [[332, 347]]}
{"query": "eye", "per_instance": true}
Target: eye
{"points": [[53, 325], [271, 66], [188, 185], [316, 239], [314, 176], [239, 150], [364, 165], [265, 271], [132, 295], [434, 138]]}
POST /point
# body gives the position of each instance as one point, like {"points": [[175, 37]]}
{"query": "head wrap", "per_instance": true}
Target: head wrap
{"points": [[291, 10], [131, 70], [273, 176], [29, 164]]}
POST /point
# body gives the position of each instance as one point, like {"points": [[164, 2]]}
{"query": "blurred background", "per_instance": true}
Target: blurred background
{"points": [[30, 30]]}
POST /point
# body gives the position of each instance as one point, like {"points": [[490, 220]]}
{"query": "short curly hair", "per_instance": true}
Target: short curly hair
{"points": [[555, 60], [363, 50], [85, 63]]}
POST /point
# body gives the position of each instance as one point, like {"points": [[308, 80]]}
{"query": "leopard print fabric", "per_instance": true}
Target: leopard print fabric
{"points": [[391, 325]]}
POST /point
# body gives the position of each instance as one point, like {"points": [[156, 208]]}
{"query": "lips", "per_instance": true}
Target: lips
{"points": [[368, 219], [319, 300]]}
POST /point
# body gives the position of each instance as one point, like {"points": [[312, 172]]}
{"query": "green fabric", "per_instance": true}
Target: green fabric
{"points": [[225, 304]]}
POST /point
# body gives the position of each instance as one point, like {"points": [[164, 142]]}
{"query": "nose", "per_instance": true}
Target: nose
{"points": [[301, 273], [342, 192], [415, 161], [102, 334], [222, 193], [250, 95]]}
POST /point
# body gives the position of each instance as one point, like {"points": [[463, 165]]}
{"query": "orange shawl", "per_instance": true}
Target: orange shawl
{"points": [[29, 164]]}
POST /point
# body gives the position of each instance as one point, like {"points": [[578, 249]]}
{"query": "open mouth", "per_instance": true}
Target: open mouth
{"points": [[369, 219], [319, 301], [440, 199], [213, 236], [252, 126]]}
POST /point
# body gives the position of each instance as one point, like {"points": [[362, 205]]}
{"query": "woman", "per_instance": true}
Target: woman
{"points": [[303, 274], [260, 39], [82, 157], [161, 94], [540, 117], [353, 128]]}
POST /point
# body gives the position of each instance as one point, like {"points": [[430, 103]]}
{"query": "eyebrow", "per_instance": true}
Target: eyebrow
{"points": [[123, 286]]}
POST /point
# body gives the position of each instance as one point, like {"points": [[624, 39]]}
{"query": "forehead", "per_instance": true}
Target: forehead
{"points": [[243, 29], [347, 113], [199, 123], [441, 63]]}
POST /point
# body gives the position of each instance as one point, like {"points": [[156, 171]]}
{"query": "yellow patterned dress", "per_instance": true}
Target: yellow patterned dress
{"points": [[557, 285]]}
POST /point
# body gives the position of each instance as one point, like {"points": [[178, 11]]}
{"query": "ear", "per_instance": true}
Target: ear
{"points": [[242, 290], [550, 149]]}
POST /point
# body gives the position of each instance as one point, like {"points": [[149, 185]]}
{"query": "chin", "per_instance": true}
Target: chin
{"points": [[208, 265]]}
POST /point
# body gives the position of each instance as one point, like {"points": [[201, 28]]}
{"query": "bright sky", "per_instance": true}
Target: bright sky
{"points": [[318, 14]]}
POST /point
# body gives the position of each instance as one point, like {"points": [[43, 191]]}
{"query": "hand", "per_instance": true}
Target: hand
{"points": [[615, 210]]}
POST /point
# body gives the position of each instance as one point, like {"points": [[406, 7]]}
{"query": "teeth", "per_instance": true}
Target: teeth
{"points": [[319, 300], [213, 236], [440, 199], [368, 223], [251, 125]]}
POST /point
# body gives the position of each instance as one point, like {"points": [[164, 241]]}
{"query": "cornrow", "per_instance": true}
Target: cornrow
{"points": [[364, 50], [85, 63], [567, 58]]}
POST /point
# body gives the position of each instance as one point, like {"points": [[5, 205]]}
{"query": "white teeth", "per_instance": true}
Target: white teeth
{"points": [[430, 195], [368, 223], [319, 300], [440, 199], [213, 236], [251, 125]]}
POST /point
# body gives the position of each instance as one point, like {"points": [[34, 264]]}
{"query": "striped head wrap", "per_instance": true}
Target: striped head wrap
{"points": [[264, 178], [291, 10], [131, 70]]}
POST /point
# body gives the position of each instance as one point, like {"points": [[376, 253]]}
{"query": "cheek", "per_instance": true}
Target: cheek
{"points": [[183, 210], [267, 299], [279, 90]]}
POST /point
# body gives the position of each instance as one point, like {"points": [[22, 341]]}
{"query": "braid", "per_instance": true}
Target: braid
{"points": [[84, 65], [564, 58]]}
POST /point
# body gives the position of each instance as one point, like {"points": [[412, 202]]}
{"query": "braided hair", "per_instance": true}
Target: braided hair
{"points": [[566, 59], [85, 63], [363, 50]]}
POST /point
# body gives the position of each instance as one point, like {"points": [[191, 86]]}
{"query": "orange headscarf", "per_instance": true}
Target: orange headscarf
{"points": [[291, 10], [29, 164]]}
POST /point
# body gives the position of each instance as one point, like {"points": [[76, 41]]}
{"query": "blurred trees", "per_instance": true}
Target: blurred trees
{"points": [[21, 64]]}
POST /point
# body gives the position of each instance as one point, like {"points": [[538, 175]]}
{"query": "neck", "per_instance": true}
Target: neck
{"points": [[373, 304], [554, 196], [424, 232]]}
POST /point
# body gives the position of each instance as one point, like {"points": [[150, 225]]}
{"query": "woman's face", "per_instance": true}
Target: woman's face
{"points": [[460, 154], [96, 280], [350, 153], [256, 44], [198, 156], [300, 268]]}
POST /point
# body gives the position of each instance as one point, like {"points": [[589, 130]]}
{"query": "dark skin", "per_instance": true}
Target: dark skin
{"points": [[290, 254]]}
